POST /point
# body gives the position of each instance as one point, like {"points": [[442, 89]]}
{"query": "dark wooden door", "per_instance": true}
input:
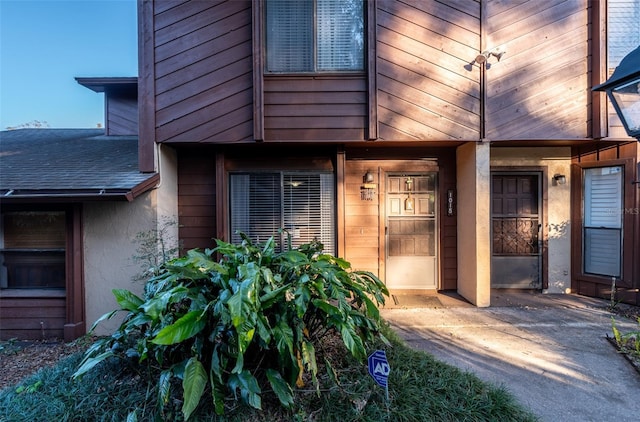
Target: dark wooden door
{"points": [[515, 224]]}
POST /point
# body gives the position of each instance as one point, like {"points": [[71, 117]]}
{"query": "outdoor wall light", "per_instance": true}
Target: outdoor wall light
{"points": [[368, 177], [560, 179], [497, 52], [623, 89], [368, 188]]}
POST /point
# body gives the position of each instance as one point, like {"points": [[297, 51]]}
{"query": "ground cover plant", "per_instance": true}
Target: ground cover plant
{"points": [[628, 343], [420, 389]]}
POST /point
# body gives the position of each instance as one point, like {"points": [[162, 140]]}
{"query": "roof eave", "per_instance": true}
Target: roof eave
{"points": [[79, 195]]}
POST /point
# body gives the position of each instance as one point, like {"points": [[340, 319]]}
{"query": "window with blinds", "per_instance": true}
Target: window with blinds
{"points": [[299, 203], [602, 230], [623, 30], [314, 35], [32, 255]]}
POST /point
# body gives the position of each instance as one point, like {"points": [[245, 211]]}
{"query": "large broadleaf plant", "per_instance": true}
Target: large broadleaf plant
{"points": [[247, 321]]}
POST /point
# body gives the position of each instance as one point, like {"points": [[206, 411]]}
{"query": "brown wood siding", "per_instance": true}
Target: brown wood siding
{"points": [[122, 116], [22, 317], [196, 198], [320, 108], [426, 88], [364, 231], [61, 311], [538, 90], [203, 71], [608, 154]]}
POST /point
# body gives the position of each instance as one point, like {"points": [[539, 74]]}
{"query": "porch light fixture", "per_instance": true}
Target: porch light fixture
{"points": [[368, 177], [560, 179], [623, 89], [368, 188]]}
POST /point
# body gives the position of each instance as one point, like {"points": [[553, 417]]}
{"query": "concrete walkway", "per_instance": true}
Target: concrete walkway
{"points": [[550, 351]]}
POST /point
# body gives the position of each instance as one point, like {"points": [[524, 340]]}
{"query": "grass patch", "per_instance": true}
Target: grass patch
{"points": [[420, 389]]}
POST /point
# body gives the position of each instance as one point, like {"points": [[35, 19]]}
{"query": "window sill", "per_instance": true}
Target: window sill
{"points": [[328, 75], [31, 293]]}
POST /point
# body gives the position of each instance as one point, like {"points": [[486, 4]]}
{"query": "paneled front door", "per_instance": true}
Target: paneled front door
{"points": [[515, 224], [411, 255]]}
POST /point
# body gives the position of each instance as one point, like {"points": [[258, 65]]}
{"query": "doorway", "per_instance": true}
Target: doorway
{"points": [[411, 231], [516, 221]]}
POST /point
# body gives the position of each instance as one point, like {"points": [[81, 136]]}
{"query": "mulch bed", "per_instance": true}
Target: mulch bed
{"points": [[19, 359]]}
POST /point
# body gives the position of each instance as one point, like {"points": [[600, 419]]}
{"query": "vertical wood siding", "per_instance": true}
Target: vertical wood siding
{"points": [[196, 198], [539, 89], [426, 88], [203, 71]]}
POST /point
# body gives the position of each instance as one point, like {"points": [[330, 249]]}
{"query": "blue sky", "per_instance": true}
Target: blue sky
{"points": [[45, 44]]}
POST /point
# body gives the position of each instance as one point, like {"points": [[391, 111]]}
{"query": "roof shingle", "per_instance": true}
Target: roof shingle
{"points": [[34, 162]]}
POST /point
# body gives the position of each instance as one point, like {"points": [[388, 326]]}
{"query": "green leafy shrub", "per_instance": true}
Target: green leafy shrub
{"points": [[247, 322]]}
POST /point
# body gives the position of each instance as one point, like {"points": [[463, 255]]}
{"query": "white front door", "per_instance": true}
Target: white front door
{"points": [[411, 248]]}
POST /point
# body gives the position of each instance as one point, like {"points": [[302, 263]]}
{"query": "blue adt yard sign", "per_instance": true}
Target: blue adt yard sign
{"points": [[379, 367]]}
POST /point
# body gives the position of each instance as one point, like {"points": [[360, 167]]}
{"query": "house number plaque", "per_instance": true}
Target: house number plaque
{"points": [[450, 209]]}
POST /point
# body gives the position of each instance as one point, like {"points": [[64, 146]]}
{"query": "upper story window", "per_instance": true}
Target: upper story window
{"points": [[623, 36], [623, 33], [314, 36]]}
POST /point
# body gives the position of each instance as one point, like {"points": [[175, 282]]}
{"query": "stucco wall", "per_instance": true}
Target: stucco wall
{"points": [[473, 208], [110, 230], [557, 160]]}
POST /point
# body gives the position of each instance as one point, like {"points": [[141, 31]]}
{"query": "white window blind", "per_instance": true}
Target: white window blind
{"points": [[314, 35], [340, 35], [255, 205], [289, 35], [603, 194], [623, 32], [299, 203]]}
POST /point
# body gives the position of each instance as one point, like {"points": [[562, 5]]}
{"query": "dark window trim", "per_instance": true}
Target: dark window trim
{"points": [[260, 39], [75, 324], [577, 221]]}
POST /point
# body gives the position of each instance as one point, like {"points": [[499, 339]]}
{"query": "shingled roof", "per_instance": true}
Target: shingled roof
{"points": [[73, 164]]}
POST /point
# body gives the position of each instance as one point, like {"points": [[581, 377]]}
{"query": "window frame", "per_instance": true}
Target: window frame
{"points": [[282, 174], [577, 221], [366, 15], [589, 227], [605, 121], [51, 256]]}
